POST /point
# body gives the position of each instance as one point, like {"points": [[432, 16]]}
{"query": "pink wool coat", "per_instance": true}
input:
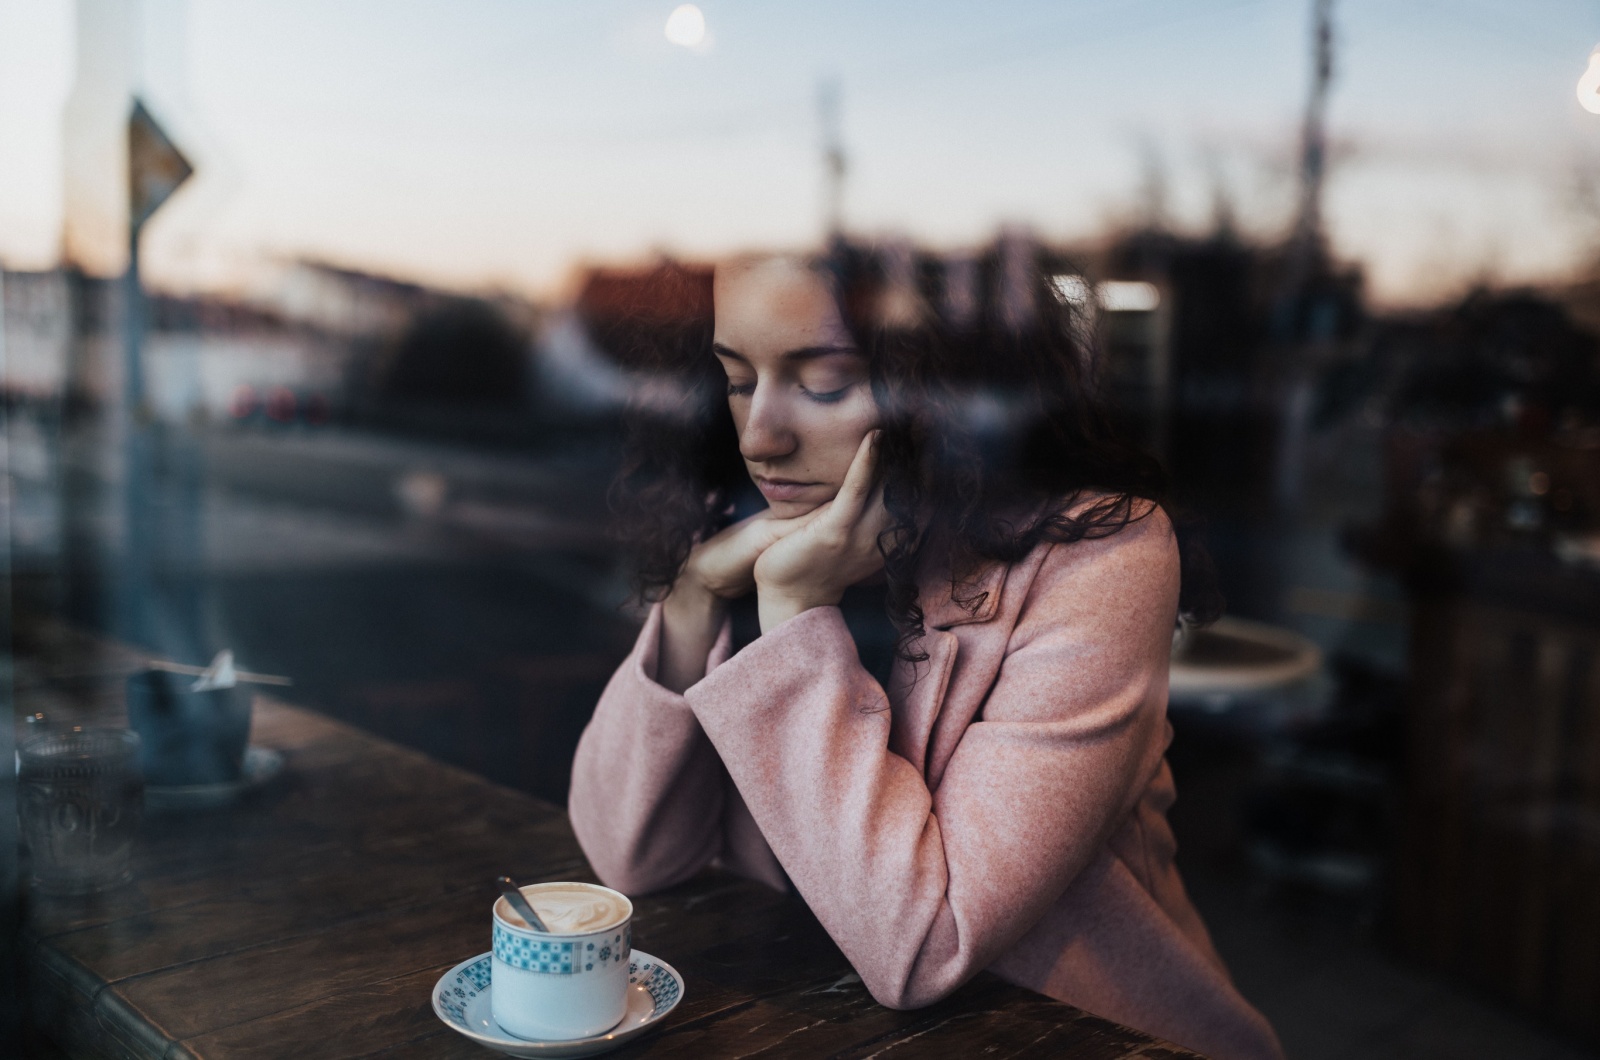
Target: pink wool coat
{"points": [[1001, 805]]}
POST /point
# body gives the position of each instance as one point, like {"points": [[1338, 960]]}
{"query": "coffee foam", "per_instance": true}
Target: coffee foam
{"points": [[570, 908]]}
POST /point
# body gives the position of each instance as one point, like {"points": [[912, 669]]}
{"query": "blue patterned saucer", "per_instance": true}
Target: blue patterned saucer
{"points": [[461, 999]]}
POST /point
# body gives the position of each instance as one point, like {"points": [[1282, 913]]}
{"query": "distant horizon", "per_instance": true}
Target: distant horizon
{"points": [[492, 145]]}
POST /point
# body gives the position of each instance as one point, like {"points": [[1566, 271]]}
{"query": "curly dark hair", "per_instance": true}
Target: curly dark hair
{"points": [[995, 433]]}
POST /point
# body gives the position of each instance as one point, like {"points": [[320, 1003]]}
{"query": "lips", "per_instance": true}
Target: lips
{"points": [[778, 489]]}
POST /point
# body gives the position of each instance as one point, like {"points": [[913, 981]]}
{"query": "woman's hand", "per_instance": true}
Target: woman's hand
{"points": [[835, 547], [719, 569], [724, 565]]}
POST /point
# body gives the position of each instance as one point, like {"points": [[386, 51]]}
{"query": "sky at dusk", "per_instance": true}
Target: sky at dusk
{"points": [[499, 142]]}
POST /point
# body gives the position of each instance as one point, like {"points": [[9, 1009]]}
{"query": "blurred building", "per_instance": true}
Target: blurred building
{"points": [[419, 358], [37, 321], [339, 343], [64, 338], [597, 353], [1205, 369]]}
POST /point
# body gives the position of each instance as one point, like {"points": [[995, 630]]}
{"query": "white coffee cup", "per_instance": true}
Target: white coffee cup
{"points": [[572, 980]]}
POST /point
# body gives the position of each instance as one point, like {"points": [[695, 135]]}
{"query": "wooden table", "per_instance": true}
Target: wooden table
{"points": [[312, 920]]}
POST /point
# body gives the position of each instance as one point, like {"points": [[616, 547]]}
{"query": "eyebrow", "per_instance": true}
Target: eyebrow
{"points": [[803, 353]]}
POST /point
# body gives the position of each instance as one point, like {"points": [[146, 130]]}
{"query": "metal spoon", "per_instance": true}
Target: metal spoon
{"points": [[513, 893]]}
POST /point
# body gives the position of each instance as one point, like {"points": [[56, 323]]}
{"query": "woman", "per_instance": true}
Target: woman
{"points": [[944, 505]]}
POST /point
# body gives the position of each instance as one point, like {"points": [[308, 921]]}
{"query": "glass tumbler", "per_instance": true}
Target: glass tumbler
{"points": [[79, 795]]}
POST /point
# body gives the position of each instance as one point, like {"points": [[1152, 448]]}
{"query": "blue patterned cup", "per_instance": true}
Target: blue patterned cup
{"points": [[568, 982]]}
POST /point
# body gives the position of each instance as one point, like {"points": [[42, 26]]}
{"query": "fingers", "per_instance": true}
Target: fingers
{"points": [[877, 514], [774, 530], [762, 530], [859, 482]]}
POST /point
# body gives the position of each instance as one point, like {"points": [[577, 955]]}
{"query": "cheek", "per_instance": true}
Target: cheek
{"points": [[838, 433]]}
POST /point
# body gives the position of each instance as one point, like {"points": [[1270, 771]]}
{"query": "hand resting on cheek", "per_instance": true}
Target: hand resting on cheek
{"points": [[834, 548], [793, 564]]}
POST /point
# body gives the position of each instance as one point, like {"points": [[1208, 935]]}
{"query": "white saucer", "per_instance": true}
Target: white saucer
{"points": [[261, 764], [461, 999]]}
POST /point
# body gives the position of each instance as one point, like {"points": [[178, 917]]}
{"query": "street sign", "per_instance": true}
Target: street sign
{"points": [[155, 166]]}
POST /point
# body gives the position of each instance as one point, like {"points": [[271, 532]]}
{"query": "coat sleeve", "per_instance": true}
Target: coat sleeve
{"points": [[921, 889], [648, 790]]}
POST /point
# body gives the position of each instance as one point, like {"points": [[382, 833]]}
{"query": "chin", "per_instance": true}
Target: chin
{"points": [[795, 508]]}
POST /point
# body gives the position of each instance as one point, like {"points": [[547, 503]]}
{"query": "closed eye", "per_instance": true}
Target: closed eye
{"points": [[741, 389], [830, 396]]}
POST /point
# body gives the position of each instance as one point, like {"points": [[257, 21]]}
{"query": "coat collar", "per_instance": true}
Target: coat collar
{"points": [[947, 603]]}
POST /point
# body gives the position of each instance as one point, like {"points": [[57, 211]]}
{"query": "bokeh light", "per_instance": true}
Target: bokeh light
{"points": [[1589, 84], [686, 26]]}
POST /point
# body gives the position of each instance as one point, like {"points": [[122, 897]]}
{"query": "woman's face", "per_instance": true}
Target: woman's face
{"points": [[797, 387]]}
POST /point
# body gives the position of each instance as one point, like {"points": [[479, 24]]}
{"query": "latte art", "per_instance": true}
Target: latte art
{"points": [[570, 908]]}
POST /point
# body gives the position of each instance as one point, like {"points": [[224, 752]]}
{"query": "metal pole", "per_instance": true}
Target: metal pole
{"points": [[1314, 139], [1306, 254], [134, 566], [133, 328]]}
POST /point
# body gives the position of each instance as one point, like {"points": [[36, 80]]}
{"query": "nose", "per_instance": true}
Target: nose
{"points": [[766, 434]]}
